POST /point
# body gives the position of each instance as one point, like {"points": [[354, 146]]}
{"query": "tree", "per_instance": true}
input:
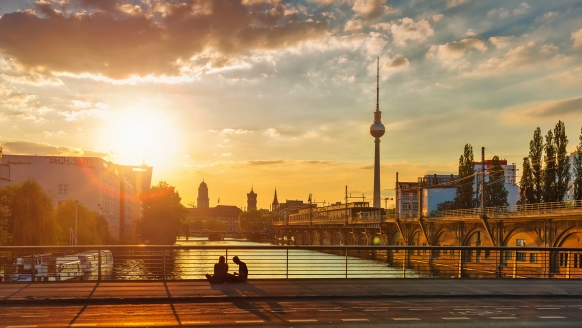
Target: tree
{"points": [[549, 172], [162, 214], [252, 220], [4, 217], [464, 197], [562, 162], [536, 149], [526, 187], [495, 192], [92, 228], [578, 170], [32, 220]]}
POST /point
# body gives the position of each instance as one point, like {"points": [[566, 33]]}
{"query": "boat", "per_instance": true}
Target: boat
{"points": [[90, 260], [47, 267]]}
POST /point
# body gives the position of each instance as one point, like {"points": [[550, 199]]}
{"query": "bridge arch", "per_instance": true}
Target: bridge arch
{"points": [[530, 237], [476, 237], [445, 237], [570, 237]]}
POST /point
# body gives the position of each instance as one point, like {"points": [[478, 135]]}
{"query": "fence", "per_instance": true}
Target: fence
{"points": [[108, 263]]}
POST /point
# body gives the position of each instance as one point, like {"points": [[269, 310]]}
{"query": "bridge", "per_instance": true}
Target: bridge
{"points": [[554, 224]]}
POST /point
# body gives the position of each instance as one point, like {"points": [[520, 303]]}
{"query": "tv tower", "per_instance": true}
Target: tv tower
{"points": [[377, 130]]}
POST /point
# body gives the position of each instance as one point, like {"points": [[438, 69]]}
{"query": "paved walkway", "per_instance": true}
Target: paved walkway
{"points": [[201, 291]]}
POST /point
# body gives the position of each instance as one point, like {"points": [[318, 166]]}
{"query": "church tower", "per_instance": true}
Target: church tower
{"points": [[251, 200], [275, 203], [203, 200]]}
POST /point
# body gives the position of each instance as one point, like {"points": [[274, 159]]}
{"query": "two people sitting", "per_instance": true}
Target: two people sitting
{"points": [[221, 274]]}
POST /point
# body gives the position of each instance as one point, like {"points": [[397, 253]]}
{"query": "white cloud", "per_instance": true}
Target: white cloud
{"points": [[437, 17], [500, 42], [406, 29], [521, 9], [354, 25], [234, 131], [450, 54], [577, 37], [371, 9], [273, 133]]}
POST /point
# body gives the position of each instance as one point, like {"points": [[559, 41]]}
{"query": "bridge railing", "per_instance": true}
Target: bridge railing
{"points": [[529, 210], [283, 262]]}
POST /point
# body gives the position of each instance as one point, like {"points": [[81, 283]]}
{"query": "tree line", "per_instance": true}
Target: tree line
{"points": [[547, 171], [28, 218], [546, 176]]}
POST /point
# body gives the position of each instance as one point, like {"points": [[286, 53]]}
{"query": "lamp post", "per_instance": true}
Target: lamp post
{"points": [[76, 231]]}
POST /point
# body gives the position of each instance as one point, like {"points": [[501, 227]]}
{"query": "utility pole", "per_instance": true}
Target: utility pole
{"points": [[347, 212], [397, 207]]}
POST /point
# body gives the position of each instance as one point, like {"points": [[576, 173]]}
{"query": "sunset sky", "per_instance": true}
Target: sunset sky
{"points": [[280, 94]]}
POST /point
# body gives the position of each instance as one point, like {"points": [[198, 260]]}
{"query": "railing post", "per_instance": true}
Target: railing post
{"points": [[514, 264], [568, 259], [287, 269], [346, 263], [99, 265], [163, 264], [32, 267], [404, 262], [460, 273]]}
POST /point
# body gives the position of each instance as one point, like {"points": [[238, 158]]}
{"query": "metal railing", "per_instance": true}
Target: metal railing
{"points": [[284, 262]]}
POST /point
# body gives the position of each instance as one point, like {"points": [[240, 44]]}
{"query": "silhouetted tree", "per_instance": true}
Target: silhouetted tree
{"points": [[32, 220], [536, 149], [464, 197], [562, 162], [578, 170], [162, 214], [526, 187], [495, 192], [4, 217], [549, 172], [253, 220]]}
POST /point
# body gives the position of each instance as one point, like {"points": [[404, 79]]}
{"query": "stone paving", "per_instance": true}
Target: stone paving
{"points": [[197, 290]]}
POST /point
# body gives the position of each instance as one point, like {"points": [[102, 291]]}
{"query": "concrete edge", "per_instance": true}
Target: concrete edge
{"points": [[216, 299]]}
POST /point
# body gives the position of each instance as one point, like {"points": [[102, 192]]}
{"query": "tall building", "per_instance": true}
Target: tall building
{"points": [[203, 200], [377, 130], [98, 184], [251, 200]]}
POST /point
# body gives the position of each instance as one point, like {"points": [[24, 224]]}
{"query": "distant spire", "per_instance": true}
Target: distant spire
{"points": [[275, 201]]}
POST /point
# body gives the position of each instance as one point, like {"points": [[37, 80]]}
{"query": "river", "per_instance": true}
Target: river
{"points": [[262, 264]]}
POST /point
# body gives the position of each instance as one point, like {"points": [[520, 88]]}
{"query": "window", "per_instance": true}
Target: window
{"points": [[63, 188], [533, 258], [563, 259], [487, 254], [520, 242], [520, 256], [508, 255]]}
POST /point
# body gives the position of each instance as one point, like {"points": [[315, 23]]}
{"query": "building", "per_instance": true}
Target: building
{"points": [[99, 185], [433, 189], [222, 213], [4, 170], [275, 203], [251, 200], [203, 201]]}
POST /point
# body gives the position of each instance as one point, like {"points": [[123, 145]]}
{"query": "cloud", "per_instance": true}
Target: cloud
{"points": [[577, 37], [371, 9], [266, 162], [273, 133], [454, 3], [557, 108], [500, 42], [450, 54], [45, 149], [406, 29], [234, 131], [155, 38], [354, 25]]}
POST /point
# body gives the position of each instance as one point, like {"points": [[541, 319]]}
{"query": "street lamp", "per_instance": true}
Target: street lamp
{"points": [[76, 231]]}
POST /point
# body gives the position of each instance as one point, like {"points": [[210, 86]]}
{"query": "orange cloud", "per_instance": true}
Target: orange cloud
{"points": [[119, 40]]}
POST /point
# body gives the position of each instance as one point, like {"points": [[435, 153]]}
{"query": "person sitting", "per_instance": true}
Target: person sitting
{"points": [[220, 272], [242, 274]]}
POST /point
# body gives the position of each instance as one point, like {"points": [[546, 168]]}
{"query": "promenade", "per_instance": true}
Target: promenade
{"points": [[298, 289]]}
